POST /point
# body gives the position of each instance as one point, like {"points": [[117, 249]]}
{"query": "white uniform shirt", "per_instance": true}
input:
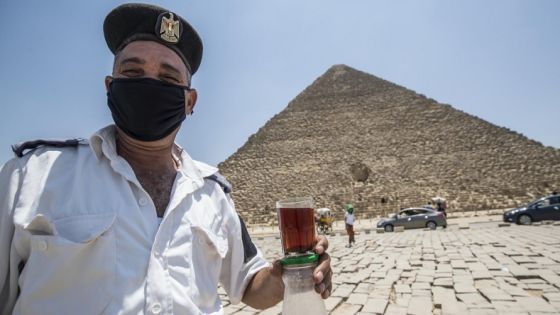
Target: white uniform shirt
{"points": [[349, 218], [85, 235]]}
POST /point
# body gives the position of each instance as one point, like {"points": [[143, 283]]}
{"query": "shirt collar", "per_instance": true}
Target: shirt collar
{"points": [[103, 144]]}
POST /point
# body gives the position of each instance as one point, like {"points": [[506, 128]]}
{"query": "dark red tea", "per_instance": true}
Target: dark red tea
{"points": [[297, 226]]}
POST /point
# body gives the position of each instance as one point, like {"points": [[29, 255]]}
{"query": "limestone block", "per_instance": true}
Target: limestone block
{"points": [[442, 296], [535, 304], [462, 287], [346, 309], [375, 306], [332, 302], [454, 308], [420, 306], [357, 298], [495, 294]]}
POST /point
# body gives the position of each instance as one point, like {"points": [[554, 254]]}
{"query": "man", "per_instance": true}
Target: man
{"points": [[349, 220], [128, 223], [441, 206]]}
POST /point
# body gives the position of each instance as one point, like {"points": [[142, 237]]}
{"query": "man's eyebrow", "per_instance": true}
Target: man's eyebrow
{"points": [[132, 60], [171, 68]]}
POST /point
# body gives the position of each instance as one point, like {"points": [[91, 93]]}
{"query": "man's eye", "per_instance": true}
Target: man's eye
{"points": [[170, 78], [130, 72]]}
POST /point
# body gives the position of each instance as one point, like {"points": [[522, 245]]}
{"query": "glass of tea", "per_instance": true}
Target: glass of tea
{"points": [[297, 225]]}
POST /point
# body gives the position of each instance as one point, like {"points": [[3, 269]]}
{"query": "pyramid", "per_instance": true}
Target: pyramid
{"points": [[351, 137]]}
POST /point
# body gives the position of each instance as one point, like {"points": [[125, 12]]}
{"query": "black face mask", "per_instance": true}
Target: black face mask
{"points": [[146, 109]]}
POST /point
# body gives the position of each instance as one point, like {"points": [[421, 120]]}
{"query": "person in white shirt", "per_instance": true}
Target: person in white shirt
{"points": [[349, 220], [127, 222]]}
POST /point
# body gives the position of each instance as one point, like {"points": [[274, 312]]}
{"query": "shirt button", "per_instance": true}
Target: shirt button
{"points": [[156, 308], [42, 245], [143, 201]]}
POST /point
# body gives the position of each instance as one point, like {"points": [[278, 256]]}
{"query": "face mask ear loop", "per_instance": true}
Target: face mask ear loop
{"points": [[188, 89]]}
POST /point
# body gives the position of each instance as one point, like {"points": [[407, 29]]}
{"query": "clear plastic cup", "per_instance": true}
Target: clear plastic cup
{"points": [[300, 297]]}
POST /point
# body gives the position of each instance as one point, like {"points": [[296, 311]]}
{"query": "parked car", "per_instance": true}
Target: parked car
{"points": [[412, 218], [546, 208]]}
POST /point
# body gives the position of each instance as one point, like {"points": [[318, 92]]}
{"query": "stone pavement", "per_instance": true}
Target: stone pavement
{"points": [[482, 269]]}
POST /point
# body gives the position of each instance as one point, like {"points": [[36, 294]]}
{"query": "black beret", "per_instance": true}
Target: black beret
{"points": [[135, 21]]}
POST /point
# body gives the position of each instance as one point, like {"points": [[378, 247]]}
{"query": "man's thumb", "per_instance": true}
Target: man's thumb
{"points": [[276, 269]]}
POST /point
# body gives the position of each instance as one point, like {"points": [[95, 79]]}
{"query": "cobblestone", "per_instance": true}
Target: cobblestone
{"points": [[481, 270], [375, 306]]}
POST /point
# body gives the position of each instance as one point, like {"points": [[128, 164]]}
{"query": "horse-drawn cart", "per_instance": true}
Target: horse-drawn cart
{"points": [[324, 221]]}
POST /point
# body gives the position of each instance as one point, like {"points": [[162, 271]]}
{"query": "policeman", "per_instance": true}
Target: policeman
{"points": [[127, 222]]}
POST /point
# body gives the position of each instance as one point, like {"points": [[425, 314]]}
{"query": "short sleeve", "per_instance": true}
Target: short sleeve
{"points": [[242, 261]]}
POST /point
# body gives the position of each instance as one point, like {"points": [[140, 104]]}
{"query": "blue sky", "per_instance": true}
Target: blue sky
{"points": [[498, 60]]}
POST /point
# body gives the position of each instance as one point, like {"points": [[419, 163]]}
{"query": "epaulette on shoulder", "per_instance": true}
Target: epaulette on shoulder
{"points": [[222, 181], [21, 148]]}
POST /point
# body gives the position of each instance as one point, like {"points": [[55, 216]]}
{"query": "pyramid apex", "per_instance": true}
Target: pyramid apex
{"points": [[341, 68], [339, 71]]}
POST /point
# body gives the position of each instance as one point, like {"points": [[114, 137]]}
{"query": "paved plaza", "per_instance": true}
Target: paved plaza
{"points": [[476, 268]]}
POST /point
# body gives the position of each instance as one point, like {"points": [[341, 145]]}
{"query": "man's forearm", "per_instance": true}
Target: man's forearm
{"points": [[265, 289]]}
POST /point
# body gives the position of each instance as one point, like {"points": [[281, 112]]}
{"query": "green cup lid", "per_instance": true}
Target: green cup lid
{"points": [[300, 260]]}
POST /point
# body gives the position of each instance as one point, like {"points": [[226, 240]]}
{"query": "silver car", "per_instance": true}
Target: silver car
{"points": [[412, 218], [546, 208]]}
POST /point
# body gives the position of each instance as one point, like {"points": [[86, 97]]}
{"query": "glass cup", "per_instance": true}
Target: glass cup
{"points": [[297, 225]]}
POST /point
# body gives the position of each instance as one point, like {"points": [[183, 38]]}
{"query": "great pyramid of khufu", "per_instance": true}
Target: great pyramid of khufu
{"points": [[351, 137]]}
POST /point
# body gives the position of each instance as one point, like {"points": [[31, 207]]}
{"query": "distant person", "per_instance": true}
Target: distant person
{"points": [[440, 207], [555, 193], [429, 205], [349, 220]]}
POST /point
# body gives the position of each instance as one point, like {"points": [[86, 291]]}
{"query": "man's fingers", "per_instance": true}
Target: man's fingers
{"points": [[322, 244], [323, 268], [325, 294], [324, 288], [319, 277], [320, 288], [324, 263], [323, 273]]}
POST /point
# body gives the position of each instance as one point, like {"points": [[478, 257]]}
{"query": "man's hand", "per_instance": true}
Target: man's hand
{"points": [[267, 289], [323, 273]]}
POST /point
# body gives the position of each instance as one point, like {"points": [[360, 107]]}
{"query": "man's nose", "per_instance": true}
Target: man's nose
{"points": [[150, 75], [151, 72]]}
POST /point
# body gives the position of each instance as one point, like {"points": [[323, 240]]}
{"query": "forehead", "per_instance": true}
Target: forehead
{"points": [[151, 52]]}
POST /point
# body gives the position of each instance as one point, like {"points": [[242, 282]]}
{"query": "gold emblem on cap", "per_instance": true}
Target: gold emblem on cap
{"points": [[169, 29]]}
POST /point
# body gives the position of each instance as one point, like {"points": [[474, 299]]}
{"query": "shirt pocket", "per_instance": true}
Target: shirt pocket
{"points": [[71, 267], [208, 251]]}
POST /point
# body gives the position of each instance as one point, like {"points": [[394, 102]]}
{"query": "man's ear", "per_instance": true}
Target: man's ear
{"points": [[190, 100], [108, 80]]}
